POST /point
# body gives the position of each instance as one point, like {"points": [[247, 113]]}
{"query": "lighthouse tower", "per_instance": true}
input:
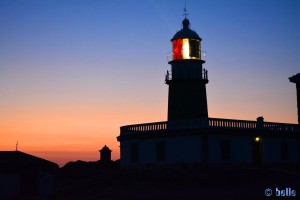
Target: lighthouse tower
{"points": [[190, 137], [187, 78]]}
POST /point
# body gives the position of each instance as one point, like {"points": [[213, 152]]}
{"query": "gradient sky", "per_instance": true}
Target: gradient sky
{"points": [[73, 71]]}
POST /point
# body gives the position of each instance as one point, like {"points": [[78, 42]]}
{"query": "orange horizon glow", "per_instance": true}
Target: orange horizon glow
{"points": [[71, 134], [65, 137]]}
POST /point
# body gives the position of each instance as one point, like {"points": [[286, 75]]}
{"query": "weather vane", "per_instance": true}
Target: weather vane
{"points": [[185, 13]]}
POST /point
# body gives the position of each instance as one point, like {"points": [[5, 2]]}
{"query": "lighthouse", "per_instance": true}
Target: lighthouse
{"points": [[187, 79], [189, 137]]}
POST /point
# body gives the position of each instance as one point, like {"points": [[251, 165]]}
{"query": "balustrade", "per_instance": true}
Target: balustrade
{"points": [[206, 123]]}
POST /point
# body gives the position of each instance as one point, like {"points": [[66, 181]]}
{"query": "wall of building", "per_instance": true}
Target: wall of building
{"points": [[183, 149], [9, 186], [189, 149], [12, 186], [240, 149], [271, 148], [45, 185]]}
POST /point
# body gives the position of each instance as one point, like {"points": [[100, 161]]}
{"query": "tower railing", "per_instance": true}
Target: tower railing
{"points": [[204, 75], [168, 76], [207, 123]]}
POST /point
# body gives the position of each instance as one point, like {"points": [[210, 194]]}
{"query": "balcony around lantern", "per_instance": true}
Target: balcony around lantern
{"points": [[204, 76], [155, 127]]}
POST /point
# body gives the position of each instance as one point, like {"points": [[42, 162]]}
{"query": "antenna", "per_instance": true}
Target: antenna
{"points": [[17, 145], [185, 13]]}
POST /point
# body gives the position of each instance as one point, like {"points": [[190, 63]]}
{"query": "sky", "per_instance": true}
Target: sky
{"points": [[73, 71]]}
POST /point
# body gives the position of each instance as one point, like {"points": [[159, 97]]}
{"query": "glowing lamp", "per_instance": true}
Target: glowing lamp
{"points": [[257, 139], [186, 49]]}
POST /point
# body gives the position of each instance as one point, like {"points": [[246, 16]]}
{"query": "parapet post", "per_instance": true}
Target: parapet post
{"points": [[260, 123]]}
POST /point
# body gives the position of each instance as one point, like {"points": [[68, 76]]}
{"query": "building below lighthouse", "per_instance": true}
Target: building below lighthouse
{"points": [[190, 136]]}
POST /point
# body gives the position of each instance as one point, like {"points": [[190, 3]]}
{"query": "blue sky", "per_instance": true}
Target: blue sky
{"points": [[108, 59]]}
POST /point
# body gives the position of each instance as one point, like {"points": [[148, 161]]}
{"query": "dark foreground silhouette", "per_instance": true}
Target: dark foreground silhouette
{"points": [[95, 180], [26, 177]]}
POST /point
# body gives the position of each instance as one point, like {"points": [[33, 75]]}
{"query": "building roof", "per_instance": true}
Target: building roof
{"points": [[17, 160], [186, 32], [105, 148]]}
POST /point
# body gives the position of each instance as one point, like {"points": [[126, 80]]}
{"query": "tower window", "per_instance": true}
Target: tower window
{"points": [[194, 49], [160, 151], [134, 152], [225, 150], [284, 151], [177, 49]]}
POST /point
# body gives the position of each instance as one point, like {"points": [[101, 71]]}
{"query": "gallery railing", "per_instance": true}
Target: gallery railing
{"points": [[208, 123], [204, 75]]}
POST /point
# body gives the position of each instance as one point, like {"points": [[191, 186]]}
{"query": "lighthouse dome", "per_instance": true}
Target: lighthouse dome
{"points": [[186, 32]]}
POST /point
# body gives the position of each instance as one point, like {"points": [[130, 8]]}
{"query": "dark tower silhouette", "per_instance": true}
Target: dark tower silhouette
{"points": [[187, 80], [105, 154], [296, 79]]}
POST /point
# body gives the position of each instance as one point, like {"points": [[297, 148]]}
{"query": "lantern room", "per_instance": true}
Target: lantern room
{"points": [[186, 49], [186, 43]]}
